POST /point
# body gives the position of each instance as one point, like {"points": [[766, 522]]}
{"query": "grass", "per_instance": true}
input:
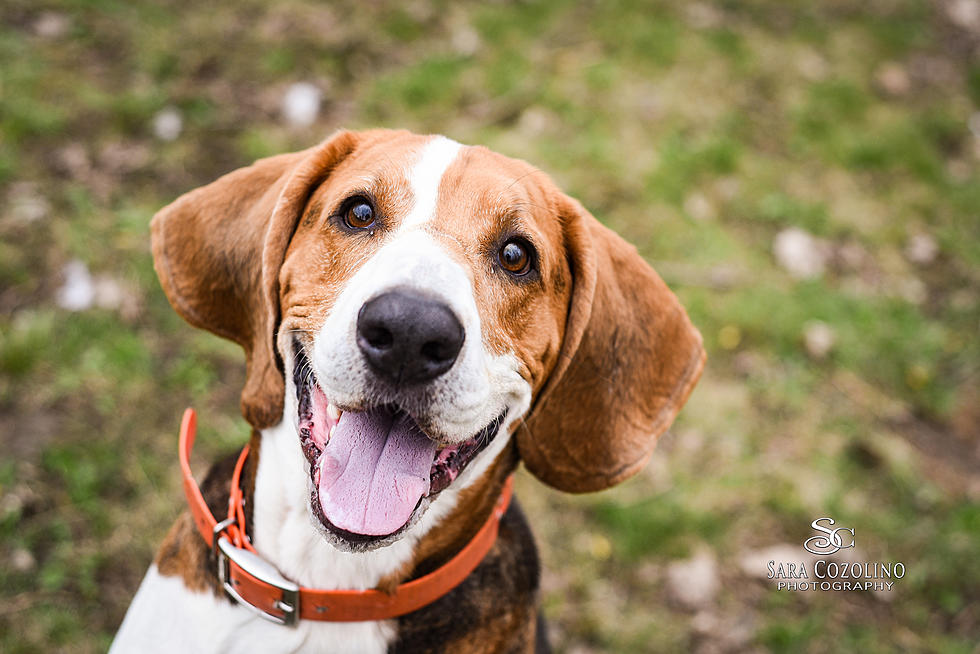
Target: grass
{"points": [[697, 130]]}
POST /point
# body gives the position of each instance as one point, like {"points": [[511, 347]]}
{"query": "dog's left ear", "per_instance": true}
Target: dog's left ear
{"points": [[629, 359], [218, 250]]}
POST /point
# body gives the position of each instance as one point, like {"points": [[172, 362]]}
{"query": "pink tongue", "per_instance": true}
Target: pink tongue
{"points": [[373, 471]]}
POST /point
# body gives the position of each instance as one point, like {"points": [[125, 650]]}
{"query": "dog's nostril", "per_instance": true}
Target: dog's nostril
{"points": [[378, 337], [437, 352]]}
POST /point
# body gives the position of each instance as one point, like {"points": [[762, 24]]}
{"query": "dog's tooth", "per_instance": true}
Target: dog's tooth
{"points": [[333, 411]]}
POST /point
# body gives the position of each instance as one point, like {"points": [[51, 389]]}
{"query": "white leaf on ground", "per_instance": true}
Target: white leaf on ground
{"points": [[77, 293], [818, 339], [800, 253], [168, 124], [921, 249], [694, 582], [301, 104]]}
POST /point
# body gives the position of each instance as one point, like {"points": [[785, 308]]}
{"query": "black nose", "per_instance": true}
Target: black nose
{"points": [[408, 338]]}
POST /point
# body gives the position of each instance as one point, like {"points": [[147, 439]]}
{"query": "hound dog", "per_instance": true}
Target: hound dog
{"points": [[417, 317]]}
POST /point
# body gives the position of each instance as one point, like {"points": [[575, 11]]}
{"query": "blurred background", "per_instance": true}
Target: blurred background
{"points": [[804, 175]]}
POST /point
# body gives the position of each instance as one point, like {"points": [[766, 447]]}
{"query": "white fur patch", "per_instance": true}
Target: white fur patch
{"points": [[167, 617], [426, 175]]}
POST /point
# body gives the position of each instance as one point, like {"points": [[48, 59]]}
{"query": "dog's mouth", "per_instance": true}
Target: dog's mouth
{"points": [[373, 471]]}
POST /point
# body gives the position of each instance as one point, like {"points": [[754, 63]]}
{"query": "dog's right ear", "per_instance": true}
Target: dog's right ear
{"points": [[218, 250], [629, 359]]}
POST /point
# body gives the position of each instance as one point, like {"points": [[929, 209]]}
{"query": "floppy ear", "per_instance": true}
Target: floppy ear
{"points": [[628, 361], [217, 251]]}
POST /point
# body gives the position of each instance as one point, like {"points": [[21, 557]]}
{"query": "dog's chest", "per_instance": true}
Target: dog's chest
{"points": [[166, 616]]}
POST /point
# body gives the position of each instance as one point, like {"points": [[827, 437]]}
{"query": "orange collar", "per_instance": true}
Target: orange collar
{"points": [[255, 583]]}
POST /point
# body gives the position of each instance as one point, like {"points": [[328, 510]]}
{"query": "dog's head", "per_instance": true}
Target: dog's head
{"points": [[414, 308]]}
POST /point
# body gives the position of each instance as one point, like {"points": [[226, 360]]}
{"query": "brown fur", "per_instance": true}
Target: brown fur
{"points": [[629, 360]]}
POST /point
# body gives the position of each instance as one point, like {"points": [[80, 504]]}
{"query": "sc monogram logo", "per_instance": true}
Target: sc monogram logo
{"points": [[830, 542]]}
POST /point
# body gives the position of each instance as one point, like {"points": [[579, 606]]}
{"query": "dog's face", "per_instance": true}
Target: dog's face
{"points": [[418, 303], [409, 304]]}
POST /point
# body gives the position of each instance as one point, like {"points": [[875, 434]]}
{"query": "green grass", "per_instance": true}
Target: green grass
{"points": [[697, 130], [661, 525]]}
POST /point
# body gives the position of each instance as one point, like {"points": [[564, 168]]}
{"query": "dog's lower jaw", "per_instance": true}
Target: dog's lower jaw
{"points": [[347, 545], [375, 456], [285, 531], [288, 534], [355, 543]]}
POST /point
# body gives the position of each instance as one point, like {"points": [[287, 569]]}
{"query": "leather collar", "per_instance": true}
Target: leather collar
{"points": [[255, 583]]}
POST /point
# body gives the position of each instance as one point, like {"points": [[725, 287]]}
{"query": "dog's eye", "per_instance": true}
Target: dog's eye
{"points": [[360, 215], [515, 257]]}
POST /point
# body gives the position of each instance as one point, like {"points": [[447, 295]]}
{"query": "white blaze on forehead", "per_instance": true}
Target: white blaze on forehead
{"points": [[426, 175]]}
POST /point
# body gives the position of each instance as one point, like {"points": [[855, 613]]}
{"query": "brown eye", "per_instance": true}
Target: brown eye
{"points": [[360, 215], [515, 257]]}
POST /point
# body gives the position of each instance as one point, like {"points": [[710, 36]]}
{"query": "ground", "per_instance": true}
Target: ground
{"points": [[805, 176]]}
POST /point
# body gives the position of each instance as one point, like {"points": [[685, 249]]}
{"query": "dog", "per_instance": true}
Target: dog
{"points": [[417, 316]]}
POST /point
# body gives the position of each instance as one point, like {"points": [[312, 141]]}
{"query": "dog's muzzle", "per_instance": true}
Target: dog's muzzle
{"points": [[374, 470]]}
